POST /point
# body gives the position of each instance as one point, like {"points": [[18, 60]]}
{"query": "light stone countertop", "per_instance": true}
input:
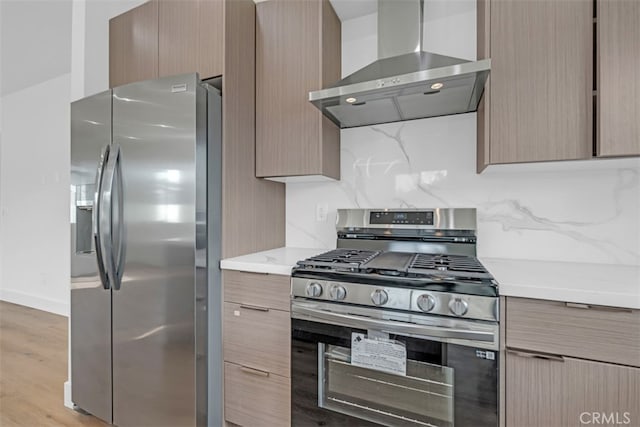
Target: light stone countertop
{"points": [[274, 261], [595, 284]]}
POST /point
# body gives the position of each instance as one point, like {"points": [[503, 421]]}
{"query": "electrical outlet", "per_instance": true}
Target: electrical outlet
{"points": [[322, 210]]}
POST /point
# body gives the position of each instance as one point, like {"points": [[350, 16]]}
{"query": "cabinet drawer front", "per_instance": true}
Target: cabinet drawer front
{"points": [[563, 391], [257, 339], [610, 392], [263, 290], [253, 399], [591, 332]]}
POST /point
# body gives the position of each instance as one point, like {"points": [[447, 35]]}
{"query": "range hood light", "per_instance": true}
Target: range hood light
{"points": [[351, 100], [437, 86]]}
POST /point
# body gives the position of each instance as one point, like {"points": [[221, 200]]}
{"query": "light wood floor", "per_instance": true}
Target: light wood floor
{"points": [[33, 369]]}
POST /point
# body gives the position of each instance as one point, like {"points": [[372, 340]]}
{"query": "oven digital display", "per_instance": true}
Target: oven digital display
{"points": [[405, 218]]}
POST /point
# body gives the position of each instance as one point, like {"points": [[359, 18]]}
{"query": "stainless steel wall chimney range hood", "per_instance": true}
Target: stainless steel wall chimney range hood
{"points": [[405, 82]]}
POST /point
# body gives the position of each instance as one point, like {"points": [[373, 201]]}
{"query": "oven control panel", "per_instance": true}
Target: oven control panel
{"points": [[401, 217], [397, 298]]}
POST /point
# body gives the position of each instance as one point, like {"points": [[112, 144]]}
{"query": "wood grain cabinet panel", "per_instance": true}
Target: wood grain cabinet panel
{"points": [[297, 51], [618, 108], [133, 45], [191, 37], [256, 348], [255, 398], [264, 290], [556, 364], [559, 392], [598, 333], [177, 37], [609, 392], [211, 15], [534, 391], [167, 37], [258, 338], [540, 106]]}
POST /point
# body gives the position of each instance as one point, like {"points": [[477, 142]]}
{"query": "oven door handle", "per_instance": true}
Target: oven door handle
{"points": [[389, 326]]}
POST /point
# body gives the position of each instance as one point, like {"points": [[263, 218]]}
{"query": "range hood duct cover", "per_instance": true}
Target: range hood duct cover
{"points": [[406, 82]]}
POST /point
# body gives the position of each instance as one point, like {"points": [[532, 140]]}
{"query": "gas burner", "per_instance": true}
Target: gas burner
{"points": [[454, 265], [339, 260]]}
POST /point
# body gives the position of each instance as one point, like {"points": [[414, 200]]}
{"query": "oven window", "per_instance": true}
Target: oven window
{"points": [[423, 397], [444, 383]]}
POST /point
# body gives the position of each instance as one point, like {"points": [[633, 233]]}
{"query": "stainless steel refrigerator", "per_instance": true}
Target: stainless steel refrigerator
{"points": [[145, 231]]}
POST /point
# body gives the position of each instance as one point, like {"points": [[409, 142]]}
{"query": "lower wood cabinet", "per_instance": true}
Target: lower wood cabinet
{"points": [[557, 391], [583, 331], [548, 379], [257, 349], [257, 337], [255, 398], [534, 394]]}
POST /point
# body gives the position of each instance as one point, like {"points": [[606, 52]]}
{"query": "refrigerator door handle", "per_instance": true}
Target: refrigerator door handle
{"points": [[106, 221], [97, 218], [120, 255]]}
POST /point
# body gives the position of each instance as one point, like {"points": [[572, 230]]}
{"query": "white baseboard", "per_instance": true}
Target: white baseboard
{"points": [[67, 395], [34, 301]]}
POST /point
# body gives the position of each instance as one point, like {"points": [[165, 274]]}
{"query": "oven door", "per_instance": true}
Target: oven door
{"points": [[425, 374]]}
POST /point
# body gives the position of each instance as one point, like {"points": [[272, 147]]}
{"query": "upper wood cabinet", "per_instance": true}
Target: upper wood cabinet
{"points": [[133, 45], [297, 51], [171, 37], [190, 37], [538, 105], [618, 87], [539, 101]]}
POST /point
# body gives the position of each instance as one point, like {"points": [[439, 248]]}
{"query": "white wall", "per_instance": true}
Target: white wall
{"points": [[584, 211], [35, 190], [34, 158], [37, 89]]}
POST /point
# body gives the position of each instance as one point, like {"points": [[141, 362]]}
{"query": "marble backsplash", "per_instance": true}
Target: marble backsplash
{"points": [[581, 211]]}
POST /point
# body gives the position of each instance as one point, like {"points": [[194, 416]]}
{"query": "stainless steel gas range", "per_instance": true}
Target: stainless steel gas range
{"points": [[398, 326]]}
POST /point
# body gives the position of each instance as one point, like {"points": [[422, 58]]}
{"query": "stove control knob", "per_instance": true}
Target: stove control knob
{"points": [[458, 306], [426, 302], [337, 292], [314, 290], [379, 297]]}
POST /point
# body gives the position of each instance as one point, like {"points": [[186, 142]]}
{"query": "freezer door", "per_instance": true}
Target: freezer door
{"points": [[90, 301], [154, 125]]}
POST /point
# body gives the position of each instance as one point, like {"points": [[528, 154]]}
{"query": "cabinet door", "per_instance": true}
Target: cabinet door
{"points": [[211, 18], [177, 37], [254, 398], [601, 393], [133, 45], [258, 337], [618, 110], [543, 390], [190, 37], [297, 51], [534, 390], [541, 80]]}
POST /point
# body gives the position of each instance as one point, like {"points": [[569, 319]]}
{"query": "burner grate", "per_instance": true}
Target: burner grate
{"points": [[339, 259], [451, 264]]}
